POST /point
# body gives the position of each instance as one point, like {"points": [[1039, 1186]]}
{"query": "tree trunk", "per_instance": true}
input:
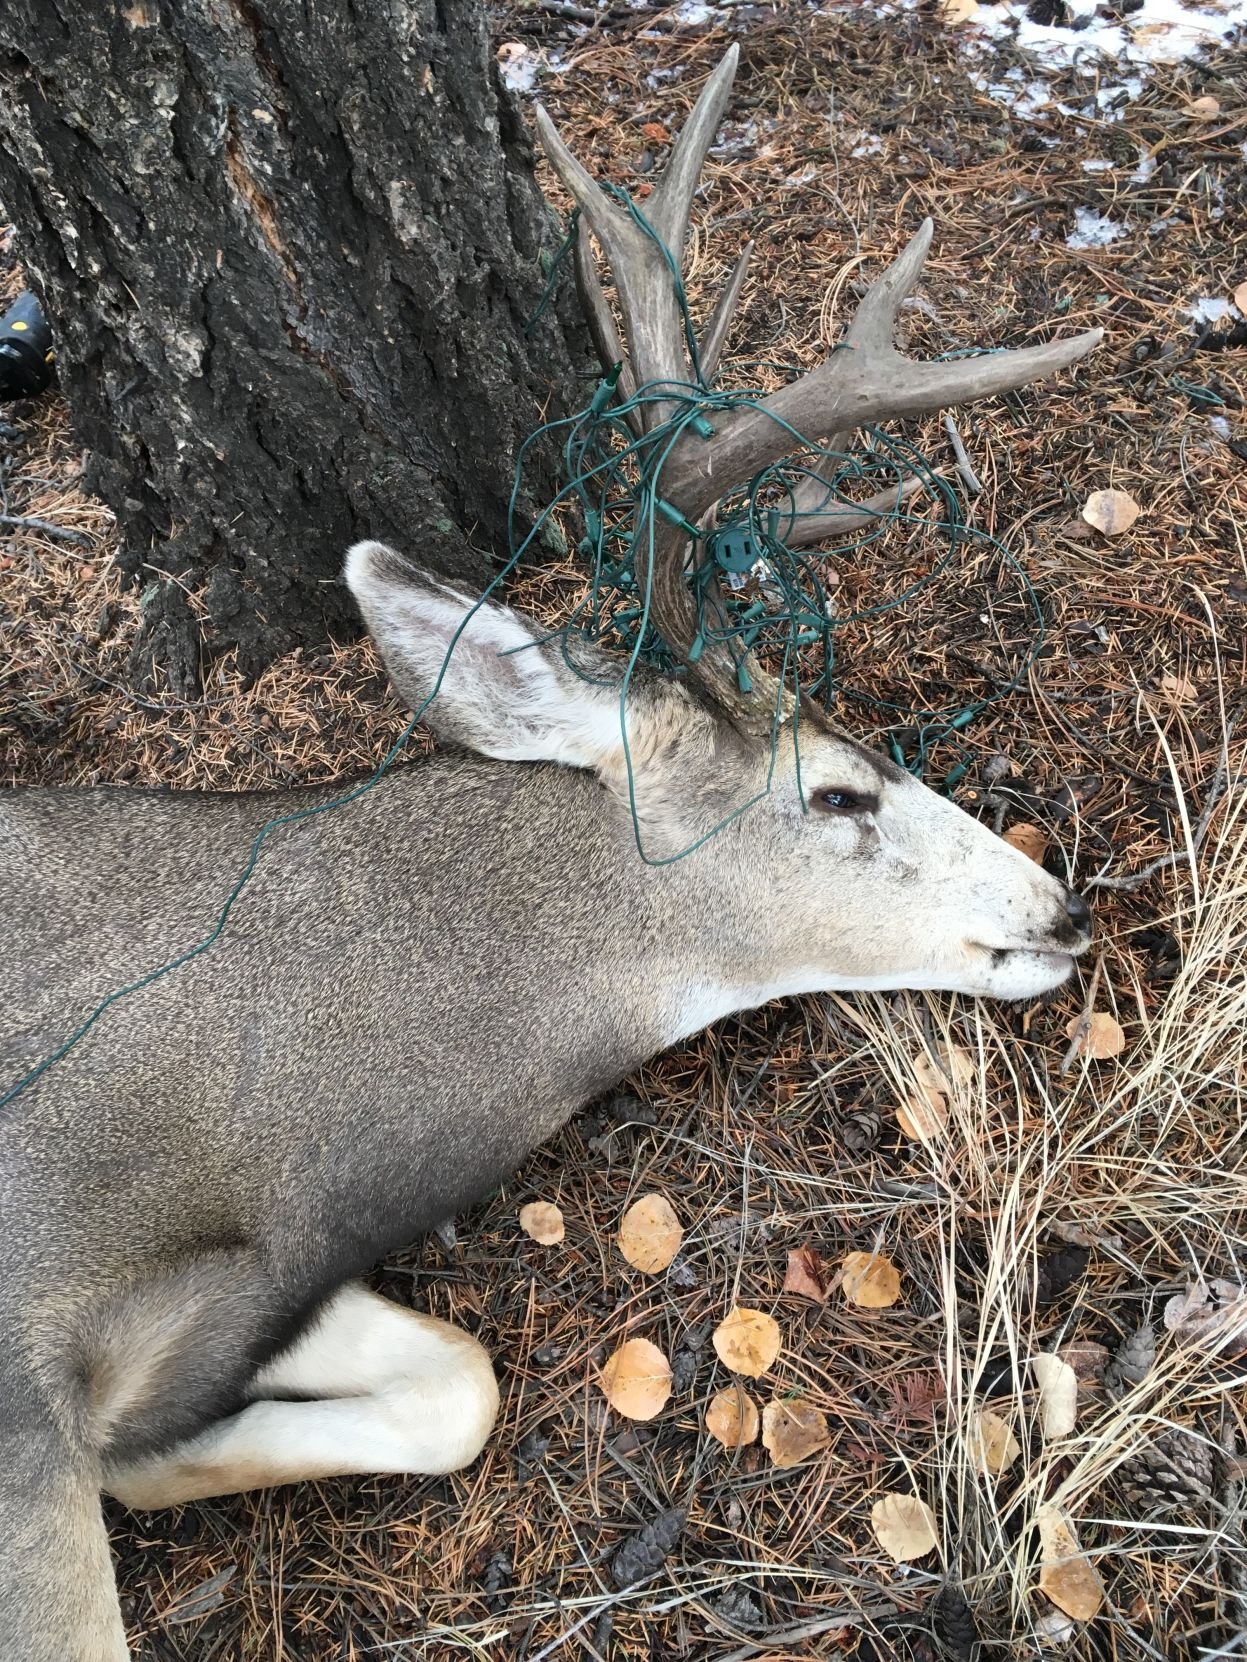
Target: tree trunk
{"points": [[288, 249]]}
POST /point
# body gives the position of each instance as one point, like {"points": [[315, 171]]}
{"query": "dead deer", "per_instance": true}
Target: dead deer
{"points": [[417, 990]]}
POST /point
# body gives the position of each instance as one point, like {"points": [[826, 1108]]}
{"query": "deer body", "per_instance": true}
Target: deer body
{"points": [[415, 991]]}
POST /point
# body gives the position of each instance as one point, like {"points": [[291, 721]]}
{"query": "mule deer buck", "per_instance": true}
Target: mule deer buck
{"points": [[417, 990]]}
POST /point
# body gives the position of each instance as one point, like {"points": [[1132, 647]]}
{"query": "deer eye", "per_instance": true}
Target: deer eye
{"points": [[844, 802]]}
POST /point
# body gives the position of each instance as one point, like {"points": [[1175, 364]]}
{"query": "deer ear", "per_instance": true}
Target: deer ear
{"points": [[476, 671]]}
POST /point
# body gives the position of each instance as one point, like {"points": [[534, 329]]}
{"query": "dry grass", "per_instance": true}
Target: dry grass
{"points": [[778, 1129]]}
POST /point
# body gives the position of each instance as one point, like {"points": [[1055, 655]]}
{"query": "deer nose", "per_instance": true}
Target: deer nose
{"points": [[1078, 912]]}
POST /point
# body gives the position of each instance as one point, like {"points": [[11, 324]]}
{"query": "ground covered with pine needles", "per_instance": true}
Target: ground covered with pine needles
{"points": [[1034, 1198]]}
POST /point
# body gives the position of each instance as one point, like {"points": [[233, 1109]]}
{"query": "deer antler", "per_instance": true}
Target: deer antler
{"points": [[865, 380]]}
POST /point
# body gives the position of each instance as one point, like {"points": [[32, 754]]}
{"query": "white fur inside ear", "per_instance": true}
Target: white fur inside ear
{"points": [[492, 685]]}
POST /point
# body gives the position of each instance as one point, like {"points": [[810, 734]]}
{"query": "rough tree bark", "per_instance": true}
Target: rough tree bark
{"points": [[289, 248]]}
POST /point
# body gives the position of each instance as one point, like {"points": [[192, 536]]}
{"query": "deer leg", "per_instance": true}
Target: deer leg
{"points": [[389, 1390]]}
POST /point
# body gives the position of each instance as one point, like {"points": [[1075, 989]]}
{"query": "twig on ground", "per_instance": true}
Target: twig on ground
{"points": [[59, 533], [969, 477], [1084, 1020]]}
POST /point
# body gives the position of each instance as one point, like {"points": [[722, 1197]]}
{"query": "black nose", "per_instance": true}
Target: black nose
{"points": [[1078, 912]]}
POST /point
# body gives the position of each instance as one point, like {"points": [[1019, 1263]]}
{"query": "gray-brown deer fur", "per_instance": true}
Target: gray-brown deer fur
{"points": [[412, 993]]}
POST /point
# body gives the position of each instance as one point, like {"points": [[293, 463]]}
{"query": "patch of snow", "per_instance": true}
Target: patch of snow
{"points": [[1209, 309], [692, 13], [871, 145], [1093, 230], [518, 66], [1220, 426], [1158, 226], [1145, 169], [1161, 31], [1098, 165]]}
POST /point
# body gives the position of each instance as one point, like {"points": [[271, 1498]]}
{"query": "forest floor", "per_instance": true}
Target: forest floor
{"points": [[1034, 1200]]}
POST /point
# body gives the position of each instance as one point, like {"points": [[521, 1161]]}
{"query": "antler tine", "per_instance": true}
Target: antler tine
{"points": [[669, 207], [871, 329], [866, 381], [597, 312], [710, 348], [652, 318], [810, 522]]}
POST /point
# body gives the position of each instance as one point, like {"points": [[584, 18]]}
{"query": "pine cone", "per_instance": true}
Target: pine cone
{"points": [[861, 1130], [644, 1553], [953, 1624], [1175, 1469], [1132, 1361]]}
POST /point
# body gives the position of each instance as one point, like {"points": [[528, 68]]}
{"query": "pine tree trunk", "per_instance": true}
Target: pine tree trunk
{"points": [[288, 249]]}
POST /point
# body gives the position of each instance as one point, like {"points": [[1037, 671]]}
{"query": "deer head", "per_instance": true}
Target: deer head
{"points": [[844, 872], [815, 863]]}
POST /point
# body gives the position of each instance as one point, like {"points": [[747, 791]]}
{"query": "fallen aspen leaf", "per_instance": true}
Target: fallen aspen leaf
{"points": [[993, 1447], [806, 1274], [1217, 1310], [870, 1280], [958, 11], [1029, 840], [1100, 1037], [793, 1430], [949, 1066], [732, 1417], [655, 132], [1069, 1579], [924, 1117], [747, 1341], [1112, 512], [542, 1222], [1240, 299], [1058, 1395], [1180, 688], [1204, 109], [650, 1234], [636, 1380], [904, 1527]]}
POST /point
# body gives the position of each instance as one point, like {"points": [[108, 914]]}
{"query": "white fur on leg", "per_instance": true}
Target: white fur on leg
{"points": [[400, 1392]]}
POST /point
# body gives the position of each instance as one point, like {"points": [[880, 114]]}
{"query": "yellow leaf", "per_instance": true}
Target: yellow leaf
{"points": [[870, 1280], [924, 1116], [732, 1417], [793, 1430], [1069, 1580], [1204, 109], [1029, 840], [1112, 512], [636, 1380], [747, 1341], [958, 11], [650, 1234], [1240, 299], [992, 1446], [1058, 1395], [1101, 1038], [904, 1527], [542, 1222]]}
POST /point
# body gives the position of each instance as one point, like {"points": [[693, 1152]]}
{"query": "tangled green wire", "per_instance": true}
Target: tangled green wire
{"points": [[776, 599]]}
